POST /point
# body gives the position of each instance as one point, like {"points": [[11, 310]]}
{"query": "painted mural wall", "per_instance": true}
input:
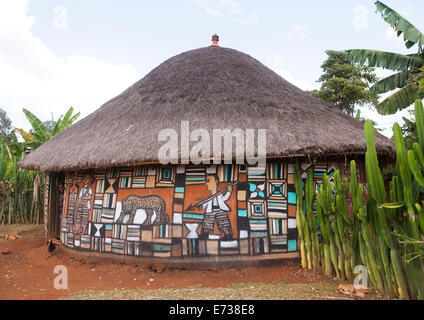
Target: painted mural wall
{"points": [[184, 211]]}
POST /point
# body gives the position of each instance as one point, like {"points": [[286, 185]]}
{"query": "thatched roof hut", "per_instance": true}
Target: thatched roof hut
{"points": [[212, 88], [120, 200]]}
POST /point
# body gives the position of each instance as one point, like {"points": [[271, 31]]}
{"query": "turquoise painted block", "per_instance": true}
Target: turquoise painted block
{"points": [[292, 197], [292, 245], [258, 233], [242, 213], [257, 221], [193, 216], [179, 189], [162, 247]]}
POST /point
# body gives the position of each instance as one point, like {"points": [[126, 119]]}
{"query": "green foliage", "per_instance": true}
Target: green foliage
{"points": [[403, 97], [44, 131], [408, 67], [17, 201], [345, 84], [5, 127], [21, 191], [402, 26], [387, 236], [397, 80], [409, 132], [383, 59]]}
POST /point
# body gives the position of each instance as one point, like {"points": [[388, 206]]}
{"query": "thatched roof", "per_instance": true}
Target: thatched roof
{"points": [[212, 88]]}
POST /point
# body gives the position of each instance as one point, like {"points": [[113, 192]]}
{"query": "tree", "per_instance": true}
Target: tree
{"points": [[345, 84], [5, 126], [407, 67], [42, 132]]}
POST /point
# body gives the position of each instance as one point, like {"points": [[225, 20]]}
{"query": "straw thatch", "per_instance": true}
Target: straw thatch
{"points": [[213, 88]]}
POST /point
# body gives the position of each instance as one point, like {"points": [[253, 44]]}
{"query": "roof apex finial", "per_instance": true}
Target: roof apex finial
{"points": [[215, 40]]}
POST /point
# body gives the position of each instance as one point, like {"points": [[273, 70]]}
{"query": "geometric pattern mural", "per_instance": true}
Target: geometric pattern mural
{"points": [[184, 211]]}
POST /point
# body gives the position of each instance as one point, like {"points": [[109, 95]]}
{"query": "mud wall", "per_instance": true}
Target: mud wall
{"points": [[184, 211]]}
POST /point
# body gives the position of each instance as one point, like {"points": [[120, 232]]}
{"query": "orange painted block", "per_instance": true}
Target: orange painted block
{"points": [[146, 235], [179, 195], [241, 195], [177, 231], [146, 253], [178, 207], [244, 246], [162, 254], [241, 204], [150, 182], [176, 250], [292, 211], [212, 247]]}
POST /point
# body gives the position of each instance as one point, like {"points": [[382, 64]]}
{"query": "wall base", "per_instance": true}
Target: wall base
{"points": [[208, 262]]}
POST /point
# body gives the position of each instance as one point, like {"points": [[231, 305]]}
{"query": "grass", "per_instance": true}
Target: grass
{"points": [[239, 291], [28, 231]]}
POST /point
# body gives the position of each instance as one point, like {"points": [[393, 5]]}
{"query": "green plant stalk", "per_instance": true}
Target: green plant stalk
{"points": [[333, 256], [366, 234], [419, 120], [395, 287], [309, 225], [386, 268], [395, 257], [340, 257], [317, 252], [379, 263], [9, 218], [405, 176], [308, 245], [378, 193], [420, 217], [324, 237], [400, 278], [363, 251], [300, 217]]}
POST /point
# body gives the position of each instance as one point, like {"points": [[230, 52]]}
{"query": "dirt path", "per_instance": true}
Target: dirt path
{"points": [[26, 272]]}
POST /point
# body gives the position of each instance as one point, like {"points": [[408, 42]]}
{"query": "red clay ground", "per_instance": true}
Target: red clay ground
{"points": [[26, 272]]}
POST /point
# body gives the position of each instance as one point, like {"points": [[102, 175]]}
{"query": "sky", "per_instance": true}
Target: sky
{"points": [[57, 54]]}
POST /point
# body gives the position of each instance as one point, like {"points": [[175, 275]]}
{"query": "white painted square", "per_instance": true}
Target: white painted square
{"points": [[244, 234], [180, 169], [291, 223], [211, 169], [177, 218], [229, 244]]}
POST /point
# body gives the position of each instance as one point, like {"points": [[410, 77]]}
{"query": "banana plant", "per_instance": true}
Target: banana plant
{"points": [[40, 132], [406, 67]]}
